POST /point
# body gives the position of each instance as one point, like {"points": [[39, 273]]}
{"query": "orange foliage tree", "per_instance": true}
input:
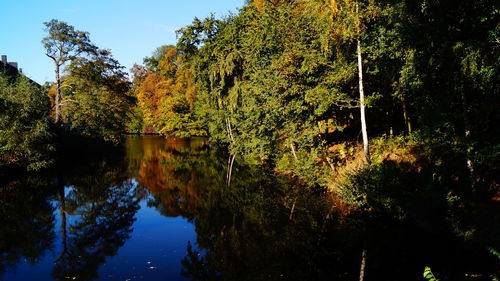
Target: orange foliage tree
{"points": [[166, 95]]}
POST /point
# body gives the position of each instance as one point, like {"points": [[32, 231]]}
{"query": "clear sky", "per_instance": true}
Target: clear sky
{"points": [[132, 29]]}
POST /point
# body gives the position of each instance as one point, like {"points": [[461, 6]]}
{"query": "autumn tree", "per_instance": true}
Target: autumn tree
{"points": [[166, 93]]}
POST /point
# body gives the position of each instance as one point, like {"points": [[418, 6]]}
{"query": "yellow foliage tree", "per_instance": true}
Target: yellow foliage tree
{"points": [[167, 96]]}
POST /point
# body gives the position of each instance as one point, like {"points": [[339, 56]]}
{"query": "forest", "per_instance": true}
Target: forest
{"points": [[389, 106]]}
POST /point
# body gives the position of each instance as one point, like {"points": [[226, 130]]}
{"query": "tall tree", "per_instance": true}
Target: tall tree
{"points": [[345, 20], [366, 148], [62, 45]]}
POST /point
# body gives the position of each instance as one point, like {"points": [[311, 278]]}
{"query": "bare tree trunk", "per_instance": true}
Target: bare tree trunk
{"points": [[58, 96], [468, 156], [293, 209], [231, 156], [62, 213], [229, 129], [363, 266], [366, 148], [406, 115], [292, 146], [230, 169]]}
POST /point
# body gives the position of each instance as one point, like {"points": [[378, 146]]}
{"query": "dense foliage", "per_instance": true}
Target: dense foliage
{"points": [[165, 92], [96, 100], [25, 129], [277, 82]]}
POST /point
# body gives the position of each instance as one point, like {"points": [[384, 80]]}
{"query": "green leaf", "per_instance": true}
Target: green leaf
{"points": [[428, 275]]}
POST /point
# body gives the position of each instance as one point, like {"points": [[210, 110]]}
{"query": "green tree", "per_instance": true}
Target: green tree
{"points": [[25, 128], [63, 44], [97, 99]]}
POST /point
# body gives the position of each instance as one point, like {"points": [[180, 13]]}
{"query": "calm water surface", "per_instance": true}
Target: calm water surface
{"points": [[163, 210]]}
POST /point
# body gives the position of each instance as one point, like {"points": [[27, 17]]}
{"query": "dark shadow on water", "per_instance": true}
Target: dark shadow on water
{"points": [[93, 199], [26, 221]]}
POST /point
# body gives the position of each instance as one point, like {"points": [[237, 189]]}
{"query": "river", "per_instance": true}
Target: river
{"points": [[163, 209]]}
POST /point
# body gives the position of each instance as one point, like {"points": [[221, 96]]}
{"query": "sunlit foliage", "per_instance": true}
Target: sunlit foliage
{"points": [[166, 94]]}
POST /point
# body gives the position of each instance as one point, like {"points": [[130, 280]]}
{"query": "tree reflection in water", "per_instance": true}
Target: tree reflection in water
{"points": [[26, 221], [101, 206], [260, 227], [171, 171], [268, 227], [95, 202], [102, 227]]}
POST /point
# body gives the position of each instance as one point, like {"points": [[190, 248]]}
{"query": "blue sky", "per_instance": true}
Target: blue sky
{"points": [[132, 29]]}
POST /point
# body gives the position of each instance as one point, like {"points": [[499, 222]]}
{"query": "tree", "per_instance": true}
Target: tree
{"points": [[153, 63], [345, 26], [166, 93], [63, 44], [97, 98], [366, 148], [25, 127]]}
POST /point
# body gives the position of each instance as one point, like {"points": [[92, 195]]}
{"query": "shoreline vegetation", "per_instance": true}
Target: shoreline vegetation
{"points": [[281, 84]]}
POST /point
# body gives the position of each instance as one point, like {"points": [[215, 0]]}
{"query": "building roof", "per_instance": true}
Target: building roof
{"points": [[11, 70], [8, 69]]}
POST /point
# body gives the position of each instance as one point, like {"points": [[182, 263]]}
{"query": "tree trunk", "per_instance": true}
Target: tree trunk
{"points": [[406, 115], [366, 148], [292, 146], [229, 130], [363, 266], [230, 169], [58, 97], [62, 213], [293, 209], [468, 156]]}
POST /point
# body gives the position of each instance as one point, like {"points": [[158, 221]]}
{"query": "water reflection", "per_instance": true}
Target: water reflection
{"points": [[176, 172], [104, 210], [91, 206], [261, 227], [27, 222], [105, 217]]}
